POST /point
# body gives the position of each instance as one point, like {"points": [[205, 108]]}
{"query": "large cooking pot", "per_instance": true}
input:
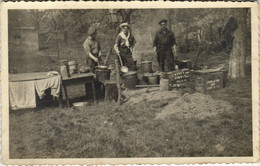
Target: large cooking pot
{"points": [[102, 74], [130, 79], [101, 67]]}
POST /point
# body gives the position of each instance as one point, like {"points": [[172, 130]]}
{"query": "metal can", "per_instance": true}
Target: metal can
{"points": [[64, 71]]}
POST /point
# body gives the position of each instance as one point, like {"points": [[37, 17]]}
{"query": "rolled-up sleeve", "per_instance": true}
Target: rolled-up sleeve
{"points": [[86, 46]]}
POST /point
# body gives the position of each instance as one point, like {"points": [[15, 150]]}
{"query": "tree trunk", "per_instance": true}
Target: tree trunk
{"points": [[125, 14], [117, 30], [38, 29], [237, 60]]}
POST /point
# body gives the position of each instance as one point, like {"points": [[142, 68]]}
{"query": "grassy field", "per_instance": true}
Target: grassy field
{"points": [[132, 130]]}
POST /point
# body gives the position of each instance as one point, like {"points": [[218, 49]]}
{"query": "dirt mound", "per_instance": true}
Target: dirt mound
{"points": [[195, 105], [151, 94]]}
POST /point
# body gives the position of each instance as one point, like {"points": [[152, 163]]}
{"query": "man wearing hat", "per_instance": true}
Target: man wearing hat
{"points": [[92, 48], [124, 45], [163, 42]]}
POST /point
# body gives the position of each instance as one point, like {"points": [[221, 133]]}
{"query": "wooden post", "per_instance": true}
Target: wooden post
{"points": [[118, 82]]}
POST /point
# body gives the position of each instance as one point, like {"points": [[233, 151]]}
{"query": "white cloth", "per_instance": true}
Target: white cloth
{"points": [[122, 34], [22, 95], [52, 82]]}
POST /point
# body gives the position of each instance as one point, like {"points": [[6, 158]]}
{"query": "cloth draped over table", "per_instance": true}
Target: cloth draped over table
{"points": [[53, 83], [23, 93]]}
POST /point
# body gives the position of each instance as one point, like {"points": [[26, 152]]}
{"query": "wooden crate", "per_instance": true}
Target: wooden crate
{"points": [[178, 78], [206, 81]]}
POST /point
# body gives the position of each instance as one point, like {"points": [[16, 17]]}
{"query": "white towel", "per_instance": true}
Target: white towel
{"points": [[22, 95]]}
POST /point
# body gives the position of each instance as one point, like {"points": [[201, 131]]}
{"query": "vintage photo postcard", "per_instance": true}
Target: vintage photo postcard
{"points": [[129, 82]]}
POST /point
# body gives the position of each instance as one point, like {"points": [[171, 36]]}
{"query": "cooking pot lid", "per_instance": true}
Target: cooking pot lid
{"points": [[145, 62], [101, 67], [130, 73]]}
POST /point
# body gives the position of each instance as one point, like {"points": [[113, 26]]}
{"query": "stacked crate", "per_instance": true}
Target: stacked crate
{"points": [[178, 78]]}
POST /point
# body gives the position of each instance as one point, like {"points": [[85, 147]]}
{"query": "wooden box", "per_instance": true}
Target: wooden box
{"points": [[184, 64], [178, 78], [205, 80]]}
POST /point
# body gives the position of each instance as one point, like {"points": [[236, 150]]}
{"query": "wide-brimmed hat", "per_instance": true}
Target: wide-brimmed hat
{"points": [[164, 20], [91, 30], [124, 24]]}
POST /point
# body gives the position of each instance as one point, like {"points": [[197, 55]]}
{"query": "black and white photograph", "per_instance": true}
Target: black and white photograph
{"points": [[121, 83]]}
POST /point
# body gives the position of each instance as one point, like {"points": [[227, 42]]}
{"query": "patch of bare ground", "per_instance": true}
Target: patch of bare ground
{"points": [[195, 105]]}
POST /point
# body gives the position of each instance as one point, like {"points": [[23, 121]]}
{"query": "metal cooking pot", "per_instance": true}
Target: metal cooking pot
{"points": [[101, 67]]}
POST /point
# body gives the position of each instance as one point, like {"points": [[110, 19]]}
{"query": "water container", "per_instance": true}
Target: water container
{"points": [[146, 67], [64, 62], [130, 79], [164, 84], [153, 80], [64, 71], [72, 67]]}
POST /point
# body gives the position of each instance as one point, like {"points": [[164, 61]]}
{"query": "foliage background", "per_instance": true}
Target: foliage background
{"points": [[61, 29]]}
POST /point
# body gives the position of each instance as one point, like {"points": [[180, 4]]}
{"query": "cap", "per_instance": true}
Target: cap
{"points": [[124, 24], [164, 20], [91, 30]]}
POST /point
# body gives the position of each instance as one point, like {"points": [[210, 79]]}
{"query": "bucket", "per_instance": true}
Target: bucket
{"points": [[146, 67], [164, 84], [153, 80], [102, 74], [130, 79], [64, 62], [160, 75], [72, 67]]}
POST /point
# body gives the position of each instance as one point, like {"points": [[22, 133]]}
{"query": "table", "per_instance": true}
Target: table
{"points": [[111, 89], [76, 79], [24, 86]]}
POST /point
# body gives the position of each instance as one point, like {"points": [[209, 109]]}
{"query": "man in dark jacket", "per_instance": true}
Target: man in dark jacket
{"points": [[163, 42]]}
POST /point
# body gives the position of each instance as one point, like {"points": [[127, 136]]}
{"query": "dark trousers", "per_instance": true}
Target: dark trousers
{"points": [[127, 58], [165, 59]]}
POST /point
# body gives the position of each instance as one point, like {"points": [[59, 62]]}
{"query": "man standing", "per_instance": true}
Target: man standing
{"points": [[124, 45], [163, 42], [92, 49]]}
